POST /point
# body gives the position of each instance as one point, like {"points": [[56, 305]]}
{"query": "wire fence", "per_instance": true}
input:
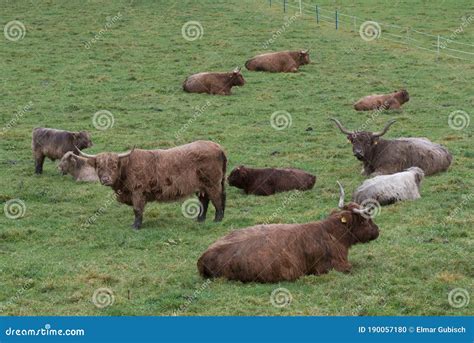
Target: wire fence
{"points": [[372, 29]]}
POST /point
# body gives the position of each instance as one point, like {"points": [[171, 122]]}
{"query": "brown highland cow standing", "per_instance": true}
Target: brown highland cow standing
{"points": [[141, 176], [268, 181], [285, 252], [279, 62], [390, 101], [54, 144], [213, 83]]}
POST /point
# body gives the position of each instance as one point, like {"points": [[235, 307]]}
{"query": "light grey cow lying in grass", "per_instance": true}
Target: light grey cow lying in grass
{"points": [[388, 189]]}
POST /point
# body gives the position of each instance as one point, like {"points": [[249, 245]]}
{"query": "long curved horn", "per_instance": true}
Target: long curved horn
{"points": [[126, 154], [237, 69], [361, 211], [83, 154], [385, 129], [341, 196], [342, 128]]}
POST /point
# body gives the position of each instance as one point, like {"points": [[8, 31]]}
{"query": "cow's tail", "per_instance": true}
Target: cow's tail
{"points": [[224, 170]]}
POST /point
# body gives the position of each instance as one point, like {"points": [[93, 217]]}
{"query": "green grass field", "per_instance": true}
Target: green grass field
{"points": [[50, 264]]}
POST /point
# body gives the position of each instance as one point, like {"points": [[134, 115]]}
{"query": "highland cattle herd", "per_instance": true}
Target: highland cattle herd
{"points": [[261, 253]]}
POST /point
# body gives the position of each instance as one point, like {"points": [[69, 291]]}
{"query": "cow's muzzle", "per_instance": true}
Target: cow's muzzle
{"points": [[359, 155], [106, 181]]}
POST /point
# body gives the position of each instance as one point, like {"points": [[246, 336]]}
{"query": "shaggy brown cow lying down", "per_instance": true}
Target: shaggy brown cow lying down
{"points": [[54, 144], [285, 252], [140, 176], [213, 83], [269, 181], [78, 167], [390, 101], [283, 61]]}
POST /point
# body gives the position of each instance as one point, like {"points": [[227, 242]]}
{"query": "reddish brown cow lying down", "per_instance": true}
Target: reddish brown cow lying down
{"points": [[269, 181], [390, 101], [283, 61], [285, 252], [213, 83]]}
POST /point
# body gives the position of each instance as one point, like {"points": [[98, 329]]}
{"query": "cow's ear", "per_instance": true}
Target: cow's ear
{"points": [[375, 141], [346, 218]]}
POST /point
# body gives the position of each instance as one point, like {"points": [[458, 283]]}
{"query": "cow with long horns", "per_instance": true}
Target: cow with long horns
{"points": [[285, 252], [140, 176], [382, 156]]}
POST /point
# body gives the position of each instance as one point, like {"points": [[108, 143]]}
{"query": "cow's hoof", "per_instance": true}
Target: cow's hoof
{"points": [[136, 227], [201, 220]]}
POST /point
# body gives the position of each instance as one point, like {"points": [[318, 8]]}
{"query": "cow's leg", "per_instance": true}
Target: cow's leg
{"points": [[218, 200], [204, 199], [39, 160], [138, 201]]}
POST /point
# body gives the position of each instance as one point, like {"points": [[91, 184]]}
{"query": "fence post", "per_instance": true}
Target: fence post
{"points": [[337, 20], [355, 24], [438, 48], [301, 8], [284, 6], [270, 1], [317, 14]]}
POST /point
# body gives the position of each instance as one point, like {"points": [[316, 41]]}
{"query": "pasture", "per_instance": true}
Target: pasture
{"points": [[51, 263]]}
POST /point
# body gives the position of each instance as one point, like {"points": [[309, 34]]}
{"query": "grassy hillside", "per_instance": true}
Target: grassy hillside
{"points": [[56, 76]]}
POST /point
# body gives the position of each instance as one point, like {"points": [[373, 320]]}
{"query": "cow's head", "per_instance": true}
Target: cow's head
{"points": [[304, 57], [68, 163], [356, 221], [363, 141], [418, 173], [402, 96], [237, 77], [107, 165], [82, 139], [238, 177]]}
